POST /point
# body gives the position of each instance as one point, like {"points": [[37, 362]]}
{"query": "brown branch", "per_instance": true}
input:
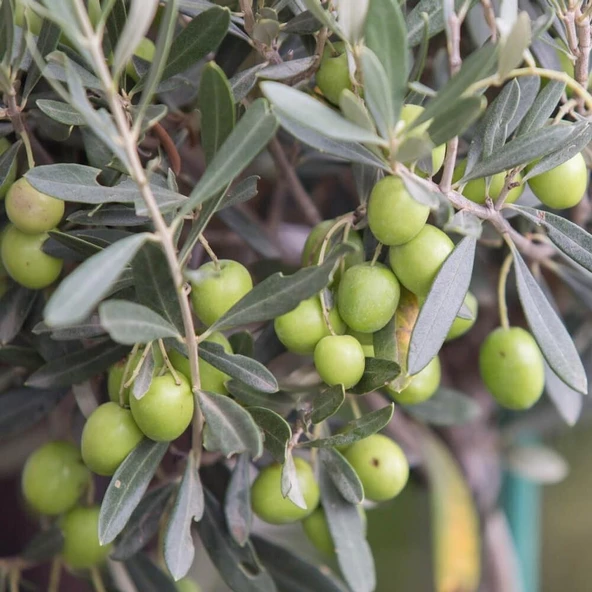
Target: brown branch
{"points": [[169, 147], [300, 194]]}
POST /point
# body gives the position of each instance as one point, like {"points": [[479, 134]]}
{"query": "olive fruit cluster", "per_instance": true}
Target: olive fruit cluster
{"points": [[32, 214], [54, 479], [379, 463]]}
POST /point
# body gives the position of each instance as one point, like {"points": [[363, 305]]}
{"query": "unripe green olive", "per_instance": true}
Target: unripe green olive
{"points": [[25, 261], [368, 296], [422, 386], [271, 506], [109, 435], [145, 51], [11, 175], [317, 530], [312, 247], [394, 216], [409, 113], [512, 367], [166, 410], [54, 478], [333, 73], [302, 328], [461, 326], [82, 549], [35, 21], [564, 186], [339, 359], [211, 379], [417, 262], [30, 210], [381, 466], [476, 190], [366, 341], [215, 291]]}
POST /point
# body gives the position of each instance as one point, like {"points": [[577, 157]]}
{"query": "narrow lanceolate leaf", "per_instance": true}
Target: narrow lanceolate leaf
{"points": [[247, 370], [143, 523], [78, 183], [276, 431], [478, 65], [347, 531], [442, 304], [290, 483], [228, 556], [309, 112], [130, 323], [60, 112], [189, 506], [542, 108], [15, 306], [377, 373], [243, 191], [343, 475], [279, 294], [77, 295], [377, 93], [386, 36], [49, 37], [514, 46], [358, 429], [127, 487], [154, 284], [455, 522], [348, 151], [216, 105], [8, 165], [570, 238], [548, 329], [20, 356], [145, 375], [229, 428], [327, 403], [252, 133], [78, 366], [21, 408], [237, 501], [200, 37], [446, 407], [456, 119], [522, 150], [577, 141], [44, 545], [465, 223], [289, 570], [568, 402]]}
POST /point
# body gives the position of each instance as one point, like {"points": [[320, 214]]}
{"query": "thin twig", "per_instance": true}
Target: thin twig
{"points": [[300, 194], [16, 117]]}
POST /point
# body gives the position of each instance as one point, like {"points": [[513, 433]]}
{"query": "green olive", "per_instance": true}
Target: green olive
{"points": [[303, 327], [460, 325], [422, 386], [271, 506], [394, 216], [512, 367], [339, 359], [333, 73]]}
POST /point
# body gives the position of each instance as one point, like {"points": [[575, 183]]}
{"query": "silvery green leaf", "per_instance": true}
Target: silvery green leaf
{"points": [[447, 407], [522, 150], [46, 43], [276, 430], [386, 36], [287, 70], [465, 223], [442, 304], [528, 87], [311, 113], [568, 402], [542, 108], [498, 117], [290, 484], [77, 295], [56, 69], [248, 138], [578, 140], [551, 335], [348, 151], [242, 83], [351, 18], [130, 323], [343, 475], [420, 191], [324, 17], [377, 93], [354, 109], [455, 120], [189, 507], [237, 501], [61, 112], [347, 531], [537, 463], [515, 44], [139, 19], [327, 403]]}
